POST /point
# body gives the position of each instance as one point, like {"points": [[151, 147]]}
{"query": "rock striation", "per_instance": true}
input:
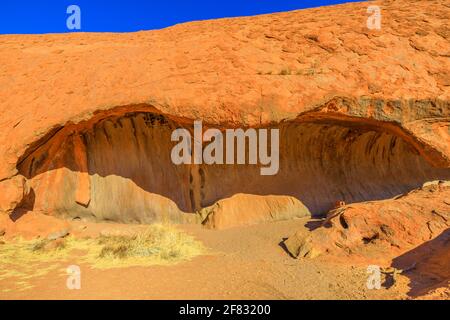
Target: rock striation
{"points": [[364, 115]]}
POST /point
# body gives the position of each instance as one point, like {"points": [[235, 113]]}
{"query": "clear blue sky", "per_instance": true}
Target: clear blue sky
{"points": [[49, 16]]}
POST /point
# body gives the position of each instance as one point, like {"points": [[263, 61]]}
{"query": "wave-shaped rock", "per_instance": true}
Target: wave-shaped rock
{"points": [[363, 114]]}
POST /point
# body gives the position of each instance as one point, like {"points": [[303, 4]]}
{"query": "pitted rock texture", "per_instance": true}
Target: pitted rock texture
{"points": [[410, 234], [381, 228], [364, 114]]}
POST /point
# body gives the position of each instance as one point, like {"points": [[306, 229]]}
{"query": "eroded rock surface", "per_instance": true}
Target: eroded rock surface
{"points": [[380, 229], [243, 209], [120, 169], [13, 194], [363, 114]]}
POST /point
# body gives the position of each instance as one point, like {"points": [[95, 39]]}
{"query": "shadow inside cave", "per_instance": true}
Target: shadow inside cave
{"points": [[120, 166]]}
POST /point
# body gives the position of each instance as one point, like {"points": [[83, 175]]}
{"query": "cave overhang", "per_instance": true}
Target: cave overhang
{"points": [[368, 150]]}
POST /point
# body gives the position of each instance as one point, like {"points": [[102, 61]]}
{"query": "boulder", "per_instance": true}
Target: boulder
{"points": [[378, 229], [13, 192], [245, 209]]}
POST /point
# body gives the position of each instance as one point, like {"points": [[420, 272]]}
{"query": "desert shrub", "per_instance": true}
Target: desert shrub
{"points": [[23, 260], [47, 246], [158, 242]]}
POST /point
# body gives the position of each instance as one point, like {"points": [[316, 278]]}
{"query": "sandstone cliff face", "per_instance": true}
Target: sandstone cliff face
{"points": [[363, 114], [120, 169]]}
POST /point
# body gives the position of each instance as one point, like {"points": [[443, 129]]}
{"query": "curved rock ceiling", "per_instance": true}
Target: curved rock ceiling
{"points": [[363, 114]]}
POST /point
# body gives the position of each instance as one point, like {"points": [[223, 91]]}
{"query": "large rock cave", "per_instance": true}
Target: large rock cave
{"points": [[118, 168]]}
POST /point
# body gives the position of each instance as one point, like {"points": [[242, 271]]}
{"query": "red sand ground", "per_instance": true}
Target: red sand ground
{"points": [[245, 263]]}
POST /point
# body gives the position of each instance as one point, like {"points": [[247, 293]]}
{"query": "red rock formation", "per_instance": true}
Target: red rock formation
{"points": [[243, 209], [364, 114], [377, 229]]}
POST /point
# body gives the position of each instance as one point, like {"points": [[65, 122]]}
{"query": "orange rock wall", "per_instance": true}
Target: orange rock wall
{"points": [[120, 169]]}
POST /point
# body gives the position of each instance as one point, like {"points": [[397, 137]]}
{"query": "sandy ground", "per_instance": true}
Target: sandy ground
{"points": [[244, 263]]}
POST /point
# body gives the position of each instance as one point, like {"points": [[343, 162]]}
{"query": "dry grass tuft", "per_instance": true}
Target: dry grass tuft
{"points": [[158, 245]]}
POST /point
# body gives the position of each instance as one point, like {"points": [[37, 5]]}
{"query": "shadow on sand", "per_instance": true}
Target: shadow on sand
{"points": [[432, 268]]}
